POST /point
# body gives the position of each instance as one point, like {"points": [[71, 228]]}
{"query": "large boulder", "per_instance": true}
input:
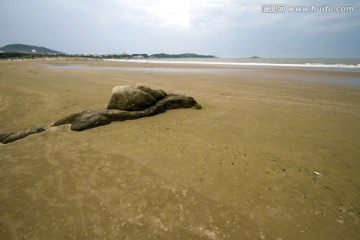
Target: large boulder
{"points": [[134, 98]]}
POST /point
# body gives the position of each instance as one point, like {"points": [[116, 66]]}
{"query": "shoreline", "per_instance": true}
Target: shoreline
{"points": [[266, 64], [306, 66]]}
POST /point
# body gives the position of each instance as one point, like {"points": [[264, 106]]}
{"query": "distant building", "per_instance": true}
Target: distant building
{"points": [[33, 51]]}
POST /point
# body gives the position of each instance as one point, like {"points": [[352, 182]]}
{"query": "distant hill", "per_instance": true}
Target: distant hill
{"points": [[184, 55], [21, 48], [22, 51]]}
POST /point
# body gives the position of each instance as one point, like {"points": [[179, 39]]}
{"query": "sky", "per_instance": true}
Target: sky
{"points": [[225, 28]]}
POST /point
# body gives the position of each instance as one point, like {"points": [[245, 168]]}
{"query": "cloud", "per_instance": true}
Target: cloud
{"points": [[224, 27], [178, 15], [169, 15], [166, 14]]}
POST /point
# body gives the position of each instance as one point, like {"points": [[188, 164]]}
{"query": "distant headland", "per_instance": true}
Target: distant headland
{"points": [[28, 49], [22, 51]]}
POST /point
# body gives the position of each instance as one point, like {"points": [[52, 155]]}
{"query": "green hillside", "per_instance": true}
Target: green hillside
{"points": [[21, 48]]}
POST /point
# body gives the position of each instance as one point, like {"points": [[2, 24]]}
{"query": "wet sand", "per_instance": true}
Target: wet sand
{"points": [[240, 168]]}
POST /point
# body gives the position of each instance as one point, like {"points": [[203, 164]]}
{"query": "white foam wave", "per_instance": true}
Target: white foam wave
{"points": [[246, 64]]}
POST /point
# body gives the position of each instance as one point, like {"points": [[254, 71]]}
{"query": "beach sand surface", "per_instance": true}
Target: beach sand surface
{"points": [[273, 154]]}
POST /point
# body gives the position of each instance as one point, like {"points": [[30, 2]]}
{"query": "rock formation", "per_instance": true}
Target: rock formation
{"points": [[126, 103]]}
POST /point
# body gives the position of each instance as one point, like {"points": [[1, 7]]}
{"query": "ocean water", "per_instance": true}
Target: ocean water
{"points": [[341, 64], [246, 67]]}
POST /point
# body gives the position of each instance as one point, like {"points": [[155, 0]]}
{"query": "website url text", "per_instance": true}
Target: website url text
{"points": [[282, 8]]}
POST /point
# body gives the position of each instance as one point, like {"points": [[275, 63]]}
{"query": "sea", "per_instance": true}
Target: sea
{"points": [[336, 64], [251, 67]]}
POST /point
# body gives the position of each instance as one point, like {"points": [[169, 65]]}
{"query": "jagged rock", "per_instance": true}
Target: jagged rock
{"points": [[89, 120], [158, 94], [12, 137], [69, 119], [173, 101], [3, 136], [126, 103]]}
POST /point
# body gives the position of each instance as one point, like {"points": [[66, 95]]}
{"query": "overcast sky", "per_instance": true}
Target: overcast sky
{"points": [[225, 28]]}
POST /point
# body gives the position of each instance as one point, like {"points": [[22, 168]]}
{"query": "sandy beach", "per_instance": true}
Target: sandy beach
{"points": [[273, 154]]}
